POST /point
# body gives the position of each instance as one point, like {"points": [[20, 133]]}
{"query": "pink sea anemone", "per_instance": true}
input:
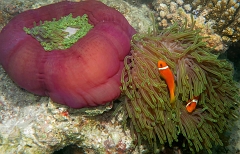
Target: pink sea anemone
{"points": [[86, 74]]}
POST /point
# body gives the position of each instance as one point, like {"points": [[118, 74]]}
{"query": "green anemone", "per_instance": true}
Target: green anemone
{"points": [[198, 73], [60, 34]]}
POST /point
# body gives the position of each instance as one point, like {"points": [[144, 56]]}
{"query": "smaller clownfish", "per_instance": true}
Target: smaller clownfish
{"points": [[192, 104], [167, 75]]}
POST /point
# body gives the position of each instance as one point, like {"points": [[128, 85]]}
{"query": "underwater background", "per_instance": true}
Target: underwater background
{"points": [[35, 124]]}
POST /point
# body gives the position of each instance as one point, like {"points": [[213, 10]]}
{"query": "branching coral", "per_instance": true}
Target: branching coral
{"points": [[218, 19], [197, 73], [225, 15]]}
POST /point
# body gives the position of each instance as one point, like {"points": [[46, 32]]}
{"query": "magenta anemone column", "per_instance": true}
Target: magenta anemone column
{"points": [[84, 75]]}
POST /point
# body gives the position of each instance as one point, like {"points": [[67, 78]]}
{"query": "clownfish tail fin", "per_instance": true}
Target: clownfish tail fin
{"points": [[172, 100], [172, 97]]}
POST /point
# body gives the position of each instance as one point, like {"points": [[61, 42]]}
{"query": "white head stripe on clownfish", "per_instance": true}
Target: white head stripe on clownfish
{"points": [[193, 101], [192, 104], [167, 75], [163, 68]]}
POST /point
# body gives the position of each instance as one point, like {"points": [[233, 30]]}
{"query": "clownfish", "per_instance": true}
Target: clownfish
{"points": [[192, 104], [167, 75]]}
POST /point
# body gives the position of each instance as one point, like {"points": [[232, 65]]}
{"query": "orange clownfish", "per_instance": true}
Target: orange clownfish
{"points": [[192, 104], [167, 75]]}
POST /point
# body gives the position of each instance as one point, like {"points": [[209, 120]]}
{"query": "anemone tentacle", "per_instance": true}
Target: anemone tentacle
{"points": [[197, 73]]}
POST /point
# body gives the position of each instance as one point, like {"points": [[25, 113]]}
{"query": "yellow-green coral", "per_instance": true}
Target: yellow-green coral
{"points": [[197, 72], [225, 15], [57, 34]]}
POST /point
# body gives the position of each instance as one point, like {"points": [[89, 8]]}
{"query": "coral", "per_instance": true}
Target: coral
{"points": [[198, 74], [218, 19], [87, 73], [138, 17], [225, 16]]}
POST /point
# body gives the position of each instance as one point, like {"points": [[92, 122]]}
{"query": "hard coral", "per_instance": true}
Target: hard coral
{"points": [[225, 16], [87, 73], [198, 73], [220, 16]]}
